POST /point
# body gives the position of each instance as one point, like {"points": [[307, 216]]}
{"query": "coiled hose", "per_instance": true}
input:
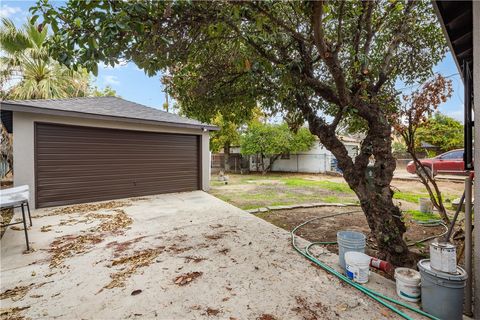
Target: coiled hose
{"points": [[384, 300]]}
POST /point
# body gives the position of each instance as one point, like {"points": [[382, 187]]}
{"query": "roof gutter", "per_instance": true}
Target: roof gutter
{"points": [[30, 109]]}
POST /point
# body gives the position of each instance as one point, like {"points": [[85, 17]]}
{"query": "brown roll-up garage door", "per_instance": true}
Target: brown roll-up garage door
{"points": [[76, 164]]}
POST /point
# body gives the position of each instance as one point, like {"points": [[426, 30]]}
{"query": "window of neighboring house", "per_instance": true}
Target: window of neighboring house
{"points": [[285, 156]]}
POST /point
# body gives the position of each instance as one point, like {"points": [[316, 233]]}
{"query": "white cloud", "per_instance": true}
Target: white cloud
{"points": [[111, 80], [6, 11]]}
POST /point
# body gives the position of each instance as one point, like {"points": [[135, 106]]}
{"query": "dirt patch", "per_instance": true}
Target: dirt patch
{"points": [[186, 278], [326, 229], [131, 264]]}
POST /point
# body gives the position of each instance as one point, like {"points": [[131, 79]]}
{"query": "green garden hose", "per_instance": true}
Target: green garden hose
{"points": [[372, 294]]}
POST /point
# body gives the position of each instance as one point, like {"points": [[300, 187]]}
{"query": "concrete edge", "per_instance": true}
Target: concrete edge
{"points": [[298, 206]]}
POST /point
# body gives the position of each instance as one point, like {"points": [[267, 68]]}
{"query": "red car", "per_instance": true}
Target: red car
{"points": [[450, 162]]}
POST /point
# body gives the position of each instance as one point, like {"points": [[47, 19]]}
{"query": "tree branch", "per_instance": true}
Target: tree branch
{"points": [[397, 36], [330, 58]]}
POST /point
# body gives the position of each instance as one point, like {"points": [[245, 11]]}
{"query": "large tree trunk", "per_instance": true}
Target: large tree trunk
{"points": [[383, 216], [226, 157]]}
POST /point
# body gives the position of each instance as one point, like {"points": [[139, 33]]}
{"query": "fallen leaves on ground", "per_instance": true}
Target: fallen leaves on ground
{"points": [[46, 228], [86, 207], [120, 247], [115, 223], [12, 313], [68, 246], [186, 278], [135, 292], [15, 228], [16, 293], [194, 259], [266, 316], [212, 312], [139, 259]]}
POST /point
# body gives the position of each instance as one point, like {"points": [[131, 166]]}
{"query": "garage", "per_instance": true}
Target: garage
{"points": [[92, 149], [83, 164]]}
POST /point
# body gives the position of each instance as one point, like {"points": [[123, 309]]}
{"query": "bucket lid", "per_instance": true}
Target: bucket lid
{"points": [[354, 256], [407, 273], [459, 275]]}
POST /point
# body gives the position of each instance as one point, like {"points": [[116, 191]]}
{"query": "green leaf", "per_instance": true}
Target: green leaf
{"points": [[94, 69], [78, 22]]}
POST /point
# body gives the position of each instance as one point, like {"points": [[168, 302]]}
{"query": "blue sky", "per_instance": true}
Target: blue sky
{"points": [[132, 84]]}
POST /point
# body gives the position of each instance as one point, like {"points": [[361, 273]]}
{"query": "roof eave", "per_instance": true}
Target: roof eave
{"points": [[31, 109], [447, 36]]}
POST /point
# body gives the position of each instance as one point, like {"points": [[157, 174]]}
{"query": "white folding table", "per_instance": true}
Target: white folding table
{"points": [[13, 198]]}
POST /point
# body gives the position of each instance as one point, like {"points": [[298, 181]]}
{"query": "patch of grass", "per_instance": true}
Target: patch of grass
{"points": [[423, 217], [323, 184], [409, 196], [332, 199], [414, 197]]}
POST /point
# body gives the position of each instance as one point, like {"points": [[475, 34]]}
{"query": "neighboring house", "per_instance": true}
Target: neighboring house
{"points": [[92, 149], [317, 160]]}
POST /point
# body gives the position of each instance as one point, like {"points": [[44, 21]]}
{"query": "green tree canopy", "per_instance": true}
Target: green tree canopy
{"points": [[27, 70], [335, 63], [272, 140], [441, 131]]}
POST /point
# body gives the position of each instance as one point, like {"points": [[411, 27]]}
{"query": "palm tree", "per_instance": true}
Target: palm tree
{"points": [[28, 72]]}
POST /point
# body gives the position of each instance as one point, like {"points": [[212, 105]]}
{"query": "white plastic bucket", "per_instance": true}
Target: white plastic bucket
{"points": [[357, 266], [349, 241], [408, 284], [443, 257]]}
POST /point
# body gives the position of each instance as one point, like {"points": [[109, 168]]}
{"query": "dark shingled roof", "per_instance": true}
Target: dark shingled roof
{"points": [[103, 107]]}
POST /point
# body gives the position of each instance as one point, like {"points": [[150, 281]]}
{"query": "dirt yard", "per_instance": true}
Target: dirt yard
{"points": [[353, 219], [256, 190]]}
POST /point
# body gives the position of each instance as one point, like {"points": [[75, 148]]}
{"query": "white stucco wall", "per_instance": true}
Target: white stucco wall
{"points": [[316, 160], [23, 143], [476, 101]]}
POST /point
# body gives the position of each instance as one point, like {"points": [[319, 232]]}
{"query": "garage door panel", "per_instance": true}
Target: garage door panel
{"points": [[79, 164], [132, 178]]}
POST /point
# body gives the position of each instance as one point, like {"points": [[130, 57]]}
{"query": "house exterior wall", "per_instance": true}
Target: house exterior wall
{"points": [[316, 160], [23, 143], [476, 101]]}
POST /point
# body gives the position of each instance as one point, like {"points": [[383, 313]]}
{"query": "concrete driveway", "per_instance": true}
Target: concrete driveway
{"points": [[174, 256]]}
